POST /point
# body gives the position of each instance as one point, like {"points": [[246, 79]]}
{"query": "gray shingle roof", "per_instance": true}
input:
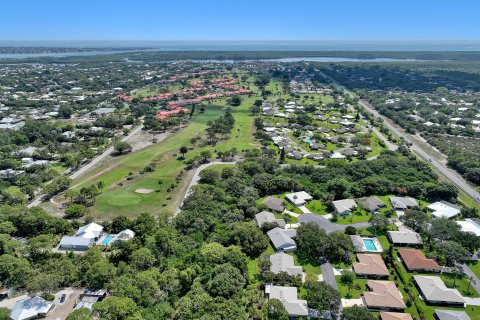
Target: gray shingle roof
{"points": [[282, 262], [281, 238], [451, 315]]}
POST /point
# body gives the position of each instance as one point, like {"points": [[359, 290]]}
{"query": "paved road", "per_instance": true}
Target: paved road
{"points": [[328, 275], [451, 175], [39, 199], [469, 272], [196, 178]]}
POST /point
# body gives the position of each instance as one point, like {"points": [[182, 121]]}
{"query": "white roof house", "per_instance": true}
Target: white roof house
{"points": [[30, 308], [443, 209], [89, 231], [124, 235], [435, 291], [343, 207], [75, 243], [282, 239], [405, 237], [289, 298], [282, 262], [298, 198], [470, 225]]}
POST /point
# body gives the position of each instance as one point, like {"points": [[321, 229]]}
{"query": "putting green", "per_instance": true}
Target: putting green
{"points": [[124, 199]]}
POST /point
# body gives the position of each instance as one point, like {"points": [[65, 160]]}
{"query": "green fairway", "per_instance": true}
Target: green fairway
{"points": [[119, 196]]}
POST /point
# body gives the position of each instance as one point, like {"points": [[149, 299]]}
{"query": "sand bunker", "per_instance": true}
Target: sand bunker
{"points": [[144, 191]]}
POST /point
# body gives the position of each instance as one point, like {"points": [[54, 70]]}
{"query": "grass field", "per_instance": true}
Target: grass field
{"points": [[359, 286], [123, 200]]}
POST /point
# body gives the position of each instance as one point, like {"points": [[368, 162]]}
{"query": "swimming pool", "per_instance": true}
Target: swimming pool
{"points": [[309, 140], [107, 240], [369, 245]]}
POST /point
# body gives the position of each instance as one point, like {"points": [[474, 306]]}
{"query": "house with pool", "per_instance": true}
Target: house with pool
{"points": [[110, 239], [366, 244], [90, 234]]}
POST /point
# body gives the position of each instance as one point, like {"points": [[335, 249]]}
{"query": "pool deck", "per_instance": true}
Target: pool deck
{"points": [[360, 247]]}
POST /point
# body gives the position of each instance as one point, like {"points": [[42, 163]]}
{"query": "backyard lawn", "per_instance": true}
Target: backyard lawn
{"points": [[359, 286], [356, 217]]}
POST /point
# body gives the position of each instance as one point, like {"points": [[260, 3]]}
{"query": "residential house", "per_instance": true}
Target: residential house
{"points": [[289, 298], [383, 295], [31, 308], [75, 243], [415, 260], [89, 231], [264, 217], [345, 206], [282, 239], [298, 199], [282, 262], [8, 174], [470, 225], [443, 209], [370, 265], [451, 315], [89, 297], [395, 316], [274, 203], [405, 237], [403, 203], [371, 204], [434, 291]]}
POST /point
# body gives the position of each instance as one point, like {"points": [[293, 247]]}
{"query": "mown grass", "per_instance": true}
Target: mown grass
{"points": [[123, 200]]}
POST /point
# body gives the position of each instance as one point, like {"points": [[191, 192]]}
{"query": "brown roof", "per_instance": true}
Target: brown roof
{"points": [[383, 295], [416, 260], [370, 264], [395, 316]]}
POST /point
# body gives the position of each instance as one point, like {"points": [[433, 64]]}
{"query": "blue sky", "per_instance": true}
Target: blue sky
{"points": [[240, 20]]}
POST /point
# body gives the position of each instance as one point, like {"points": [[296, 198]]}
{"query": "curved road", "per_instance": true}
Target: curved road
{"points": [[448, 173], [196, 179]]}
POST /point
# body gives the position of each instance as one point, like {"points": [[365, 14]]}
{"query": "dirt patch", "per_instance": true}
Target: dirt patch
{"points": [[144, 191]]}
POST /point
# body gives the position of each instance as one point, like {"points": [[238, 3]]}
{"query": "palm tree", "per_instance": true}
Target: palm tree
{"points": [[470, 280], [456, 274]]}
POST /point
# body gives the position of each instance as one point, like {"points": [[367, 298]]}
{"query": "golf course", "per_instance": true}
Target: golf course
{"points": [[121, 197]]}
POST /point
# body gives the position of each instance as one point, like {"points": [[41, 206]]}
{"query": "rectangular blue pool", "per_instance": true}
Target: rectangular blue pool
{"points": [[107, 240], [369, 245]]}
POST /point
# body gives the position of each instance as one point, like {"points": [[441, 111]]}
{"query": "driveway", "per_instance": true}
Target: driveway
{"points": [[472, 301], [328, 274], [327, 225], [61, 310], [347, 303]]}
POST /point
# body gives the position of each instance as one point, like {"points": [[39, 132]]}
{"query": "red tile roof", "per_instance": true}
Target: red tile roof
{"points": [[416, 260]]}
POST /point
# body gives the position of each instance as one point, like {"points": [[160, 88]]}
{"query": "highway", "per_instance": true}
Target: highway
{"points": [[448, 173]]}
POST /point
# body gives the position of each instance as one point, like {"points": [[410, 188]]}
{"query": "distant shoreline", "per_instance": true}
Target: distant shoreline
{"points": [[156, 55]]}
